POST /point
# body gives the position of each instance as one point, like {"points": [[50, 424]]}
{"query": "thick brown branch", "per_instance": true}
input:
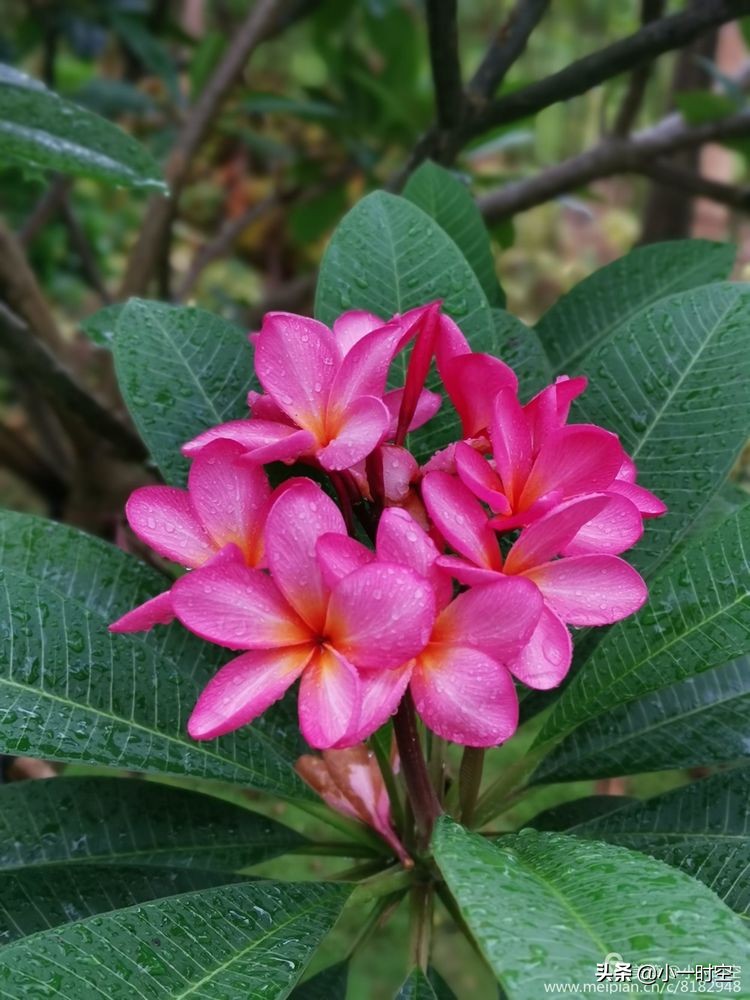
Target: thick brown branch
{"points": [[631, 103], [442, 29], [615, 155], [700, 187], [20, 289], [506, 47], [263, 19]]}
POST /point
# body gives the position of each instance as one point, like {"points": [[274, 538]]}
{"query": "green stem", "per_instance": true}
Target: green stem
{"points": [[374, 917], [437, 766], [335, 848], [422, 900], [421, 793], [389, 778], [470, 781], [354, 831], [495, 798]]}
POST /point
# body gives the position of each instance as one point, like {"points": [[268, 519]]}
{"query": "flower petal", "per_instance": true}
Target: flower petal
{"points": [[428, 404], [465, 696], [472, 381], [228, 603], [338, 556], [580, 458], [295, 360], [230, 497], [617, 527], [511, 443], [361, 428], [418, 367], [164, 518], [401, 540], [460, 519], [243, 689], [647, 503], [497, 618], [329, 700], [263, 440], [352, 326], [400, 470], [590, 590], [549, 409], [467, 573], [382, 691], [380, 616], [477, 474], [364, 370], [545, 659], [157, 611], [297, 519], [552, 533]]}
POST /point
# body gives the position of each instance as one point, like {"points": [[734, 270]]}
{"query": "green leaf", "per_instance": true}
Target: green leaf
{"points": [[699, 106], [447, 200], [421, 986], [674, 383], [247, 940], [519, 346], [547, 908], [100, 326], [697, 615], [34, 900], [40, 130], [126, 821], [328, 984], [388, 256], [180, 371], [149, 51], [702, 828], [697, 722], [72, 691], [581, 320]]}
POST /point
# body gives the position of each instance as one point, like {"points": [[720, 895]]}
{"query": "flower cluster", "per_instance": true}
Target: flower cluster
{"points": [[475, 563]]}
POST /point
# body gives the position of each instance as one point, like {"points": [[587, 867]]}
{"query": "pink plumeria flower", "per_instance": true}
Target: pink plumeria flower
{"points": [[225, 503], [325, 390], [293, 623], [350, 782], [587, 589], [538, 461], [461, 687]]}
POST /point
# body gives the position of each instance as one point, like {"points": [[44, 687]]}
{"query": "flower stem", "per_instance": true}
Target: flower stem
{"points": [[418, 784], [389, 779], [422, 899], [470, 781]]}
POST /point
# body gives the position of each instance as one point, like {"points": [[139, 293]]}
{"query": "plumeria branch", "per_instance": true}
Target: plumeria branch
{"points": [[636, 90], [506, 47], [638, 154], [421, 793]]}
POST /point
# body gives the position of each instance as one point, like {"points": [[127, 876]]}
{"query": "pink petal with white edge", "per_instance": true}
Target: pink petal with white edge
{"points": [[228, 603], [295, 360], [552, 533], [477, 474], [616, 528], [263, 440], [297, 519], [471, 381], [465, 696], [243, 689], [460, 519], [382, 691], [164, 518], [580, 458], [360, 430], [380, 616], [428, 404], [545, 659], [497, 618], [646, 502], [329, 700], [230, 497], [590, 590], [339, 556], [157, 611], [401, 540], [511, 443], [352, 326]]}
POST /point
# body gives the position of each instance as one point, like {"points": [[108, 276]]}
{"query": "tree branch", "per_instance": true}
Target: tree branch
{"points": [[505, 48], [20, 289], [265, 17], [701, 187], [442, 29], [614, 155], [631, 104], [56, 384]]}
